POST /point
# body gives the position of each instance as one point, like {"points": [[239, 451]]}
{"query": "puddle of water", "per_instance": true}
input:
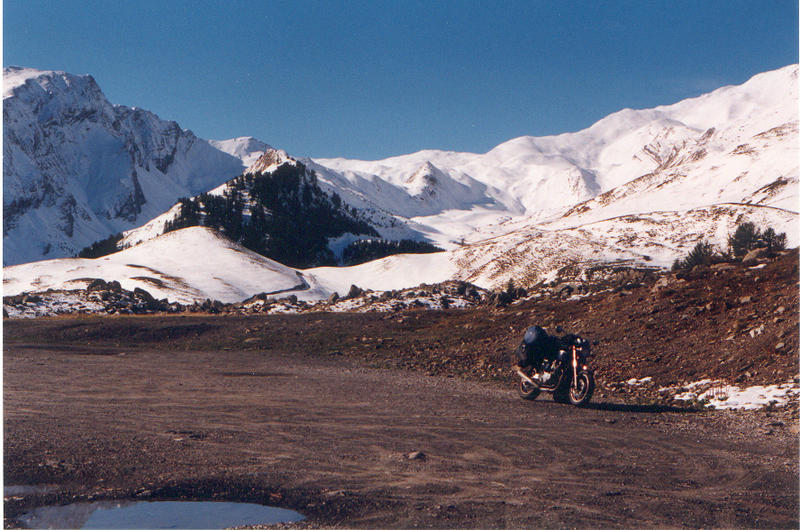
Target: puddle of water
{"points": [[166, 514]]}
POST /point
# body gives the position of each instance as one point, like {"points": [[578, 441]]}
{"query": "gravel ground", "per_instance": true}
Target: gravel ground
{"points": [[353, 446]]}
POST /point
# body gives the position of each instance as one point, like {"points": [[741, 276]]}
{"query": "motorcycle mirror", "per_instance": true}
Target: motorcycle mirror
{"points": [[559, 329]]}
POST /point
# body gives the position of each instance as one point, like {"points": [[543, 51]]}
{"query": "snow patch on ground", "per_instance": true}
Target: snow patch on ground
{"points": [[722, 396], [638, 382]]}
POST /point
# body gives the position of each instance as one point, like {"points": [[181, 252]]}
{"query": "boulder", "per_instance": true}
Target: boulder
{"points": [[97, 284], [143, 295], [754, 255]]}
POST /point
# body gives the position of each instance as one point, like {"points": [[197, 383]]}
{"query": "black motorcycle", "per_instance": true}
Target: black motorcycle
{"points": [[568, 376]]}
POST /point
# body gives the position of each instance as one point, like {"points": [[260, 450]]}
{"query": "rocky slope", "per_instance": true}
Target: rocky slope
{"points": [[733, 322]]}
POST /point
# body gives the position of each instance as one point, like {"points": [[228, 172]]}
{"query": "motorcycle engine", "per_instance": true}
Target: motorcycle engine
{"points": [[548, 370]]}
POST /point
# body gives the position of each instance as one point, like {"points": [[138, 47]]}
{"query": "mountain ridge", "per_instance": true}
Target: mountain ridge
{"points": [[641, 186]]}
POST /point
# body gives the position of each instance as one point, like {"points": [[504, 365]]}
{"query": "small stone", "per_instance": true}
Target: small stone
{"points": [[780, 310], [416, 455], [779, 346], [745, 299]]}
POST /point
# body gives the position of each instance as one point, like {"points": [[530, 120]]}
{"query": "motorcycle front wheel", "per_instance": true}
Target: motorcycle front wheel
{"points": [[527, 390], [581, 392]]}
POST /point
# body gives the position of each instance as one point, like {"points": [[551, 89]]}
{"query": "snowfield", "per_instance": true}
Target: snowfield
{"points": [[182, 266], [393, 272]]}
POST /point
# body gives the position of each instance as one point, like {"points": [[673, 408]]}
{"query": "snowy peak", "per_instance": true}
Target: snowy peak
{"points": [[60, 86], [269, 160], [245, 148], [425, 181], [438, 192], [545, 176]]}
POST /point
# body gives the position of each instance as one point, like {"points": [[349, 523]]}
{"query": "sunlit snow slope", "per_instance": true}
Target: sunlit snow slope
{"points": [[736, 144], [182, 266]]}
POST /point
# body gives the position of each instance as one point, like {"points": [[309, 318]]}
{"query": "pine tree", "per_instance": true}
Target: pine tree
{"points": [[744, 239], [774, 242]]}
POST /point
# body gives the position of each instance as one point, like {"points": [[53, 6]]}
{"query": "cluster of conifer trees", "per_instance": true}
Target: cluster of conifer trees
{"points": [[746, 238], [101, 248], [371, 249], [283, 215]]}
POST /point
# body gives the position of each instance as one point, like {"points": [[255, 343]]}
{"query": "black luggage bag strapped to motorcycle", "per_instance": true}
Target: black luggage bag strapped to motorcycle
{"points": [[535, 346]]}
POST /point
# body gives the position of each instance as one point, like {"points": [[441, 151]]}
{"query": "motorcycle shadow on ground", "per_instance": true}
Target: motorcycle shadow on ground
{"points": [[644, 408]]}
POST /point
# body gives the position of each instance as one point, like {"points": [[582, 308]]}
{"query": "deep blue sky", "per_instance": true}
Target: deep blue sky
{"points": [[373, 79]]}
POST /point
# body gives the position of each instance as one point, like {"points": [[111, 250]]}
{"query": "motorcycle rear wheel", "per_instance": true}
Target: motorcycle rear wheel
{"points": [[527, 390], [581, 392]]}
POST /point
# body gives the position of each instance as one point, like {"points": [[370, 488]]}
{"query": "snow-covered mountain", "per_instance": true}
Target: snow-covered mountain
{"points": [[639, 187], [725, 145], [279, 208], [77, 168]]}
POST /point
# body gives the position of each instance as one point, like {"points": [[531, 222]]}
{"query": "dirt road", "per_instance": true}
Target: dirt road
{"points": [[331, 439]]}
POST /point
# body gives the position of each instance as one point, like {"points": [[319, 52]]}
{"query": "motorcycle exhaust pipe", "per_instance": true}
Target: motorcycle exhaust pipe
{"points": [[524, 377]]}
